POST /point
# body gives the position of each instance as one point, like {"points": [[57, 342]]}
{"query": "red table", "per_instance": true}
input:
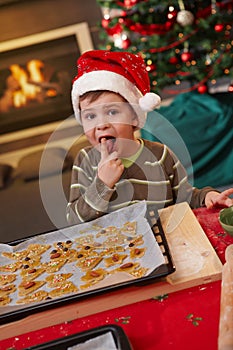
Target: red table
{"points": [[187, 319]]}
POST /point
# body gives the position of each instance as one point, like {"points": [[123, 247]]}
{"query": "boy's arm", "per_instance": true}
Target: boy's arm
{"points": [[89, 196], [182, 189]]}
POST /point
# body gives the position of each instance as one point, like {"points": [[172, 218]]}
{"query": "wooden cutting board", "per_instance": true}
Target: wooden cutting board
{"points": [[195, 260]]}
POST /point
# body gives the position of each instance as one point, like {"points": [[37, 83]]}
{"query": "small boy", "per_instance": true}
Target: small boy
{"points": [[111, 96]]}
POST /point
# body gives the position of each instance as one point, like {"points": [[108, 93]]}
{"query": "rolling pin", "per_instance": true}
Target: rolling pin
{"points": [[225, 337]]}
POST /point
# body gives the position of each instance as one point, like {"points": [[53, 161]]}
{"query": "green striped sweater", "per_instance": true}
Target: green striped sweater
{"points": [[157, 176]]}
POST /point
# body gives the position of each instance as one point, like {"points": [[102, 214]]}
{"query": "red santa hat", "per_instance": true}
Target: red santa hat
{"points": [[120, 72]]}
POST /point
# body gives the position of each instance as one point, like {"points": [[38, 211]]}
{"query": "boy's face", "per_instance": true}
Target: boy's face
{"points": [[111, 118]]}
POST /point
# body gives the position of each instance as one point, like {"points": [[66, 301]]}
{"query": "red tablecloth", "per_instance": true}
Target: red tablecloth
{"points": [[182, 320]]}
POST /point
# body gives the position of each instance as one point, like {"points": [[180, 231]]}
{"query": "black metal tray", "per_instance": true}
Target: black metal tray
{"points": [[157, 275], [119, 336]]}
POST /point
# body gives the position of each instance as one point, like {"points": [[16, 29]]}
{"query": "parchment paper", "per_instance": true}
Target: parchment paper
{"points": [[102, 342], [152, 258]]}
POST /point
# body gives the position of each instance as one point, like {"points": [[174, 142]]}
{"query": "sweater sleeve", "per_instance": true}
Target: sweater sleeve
{"points": [[182, 189], [89, 196]]}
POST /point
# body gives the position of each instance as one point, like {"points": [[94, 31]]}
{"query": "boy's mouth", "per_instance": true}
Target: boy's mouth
{"points": [[110, 142]]}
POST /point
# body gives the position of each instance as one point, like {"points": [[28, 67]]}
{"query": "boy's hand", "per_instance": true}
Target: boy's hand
{"points": [[219, 199], [110, 167]]}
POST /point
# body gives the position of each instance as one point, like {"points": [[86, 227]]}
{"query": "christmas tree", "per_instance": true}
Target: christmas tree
{"points": [[180, 41]]}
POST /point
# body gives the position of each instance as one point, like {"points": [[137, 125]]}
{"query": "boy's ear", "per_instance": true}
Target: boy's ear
{"points": [[135, 121]]}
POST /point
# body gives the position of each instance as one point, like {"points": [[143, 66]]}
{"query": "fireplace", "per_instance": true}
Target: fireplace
{"points": [[36, 74]]}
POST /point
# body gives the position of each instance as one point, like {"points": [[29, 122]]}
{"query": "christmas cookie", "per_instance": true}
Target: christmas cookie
{"points": [[56, 280], [127, 267], [11, 267], [34, 297], [137, 252], [30, 273], [65, 288], [88, 263], [5, 300], [130, 227], [53, 265], [8, 289], [27, 287], [114, 259], [5, 279]]}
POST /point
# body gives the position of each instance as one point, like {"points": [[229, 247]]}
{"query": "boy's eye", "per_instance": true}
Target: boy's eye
{"points": [[113, 112], [89, 116]]}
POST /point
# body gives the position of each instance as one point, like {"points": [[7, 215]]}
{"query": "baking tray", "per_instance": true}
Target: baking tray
{"points": [[119, 336], [156, 275]]}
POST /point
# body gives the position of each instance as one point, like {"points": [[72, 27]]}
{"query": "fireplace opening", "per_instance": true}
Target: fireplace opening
{"points": [[35, 83]]}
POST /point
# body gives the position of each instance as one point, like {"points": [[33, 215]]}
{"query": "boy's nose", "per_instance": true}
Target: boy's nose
{"points": [[103, 122]]}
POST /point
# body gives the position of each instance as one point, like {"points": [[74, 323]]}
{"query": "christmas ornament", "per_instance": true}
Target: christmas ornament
{"points": [[230, 88], [117, 29], [218, 27], [186, 56], [202, 89], [105, 23], [185, 18], [130, 3], [173, 60], [125, 44], [151, 67]]}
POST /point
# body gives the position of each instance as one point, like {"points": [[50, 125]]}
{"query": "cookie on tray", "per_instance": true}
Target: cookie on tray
{"points": [[5, 300], [5, 279], [30, 273], [137, 252], [36, 297], [88, 263], [53, 265], [11, 267], [56, 280], [27, 287], [7, 289], [127, 267], [66, 288], [114, 259]]}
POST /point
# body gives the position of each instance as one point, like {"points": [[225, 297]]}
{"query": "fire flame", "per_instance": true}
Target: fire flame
{"points": [[27, 84], [26, 89]]}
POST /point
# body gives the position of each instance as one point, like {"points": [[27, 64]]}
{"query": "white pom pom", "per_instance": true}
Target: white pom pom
{"points": [[149, 101]]}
